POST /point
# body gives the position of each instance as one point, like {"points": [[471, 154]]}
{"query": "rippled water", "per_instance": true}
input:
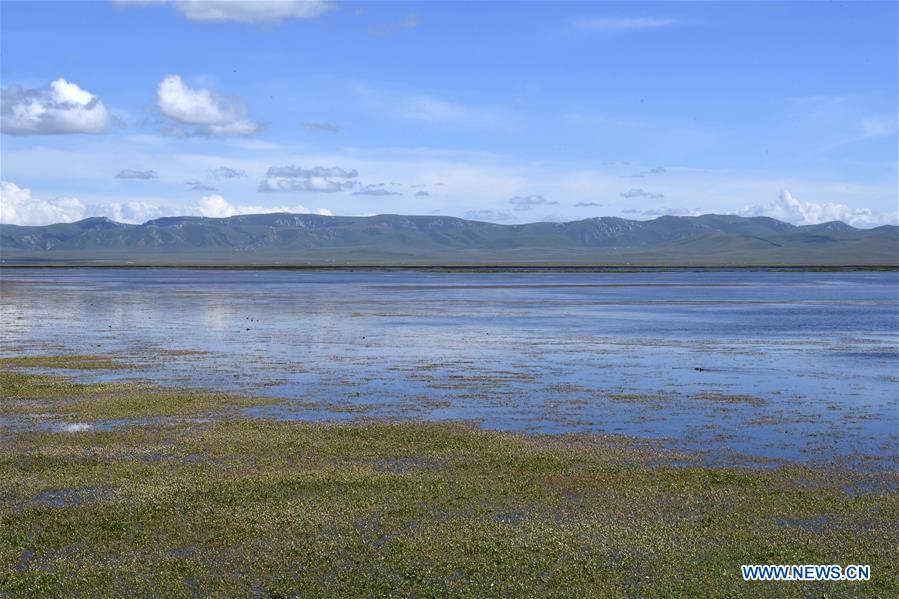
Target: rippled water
{"points": [[780, 364]]}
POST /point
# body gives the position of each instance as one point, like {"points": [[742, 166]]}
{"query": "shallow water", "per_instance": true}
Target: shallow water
{"points": [[812, 358]]}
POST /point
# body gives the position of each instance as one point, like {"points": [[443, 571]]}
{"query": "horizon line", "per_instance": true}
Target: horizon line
{"points": [[555, 222]]}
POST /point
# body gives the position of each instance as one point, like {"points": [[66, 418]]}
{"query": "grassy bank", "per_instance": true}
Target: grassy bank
{"points": [[186, 497]]}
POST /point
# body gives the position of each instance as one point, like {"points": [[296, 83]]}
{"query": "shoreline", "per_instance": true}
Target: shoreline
{"points": [[463, 268]]}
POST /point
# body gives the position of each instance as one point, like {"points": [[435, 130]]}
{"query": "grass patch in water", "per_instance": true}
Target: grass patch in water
{"points": [[64, 362], [24, 393], [257, 507]]}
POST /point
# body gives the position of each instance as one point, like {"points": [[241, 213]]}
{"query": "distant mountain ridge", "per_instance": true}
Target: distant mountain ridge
{"points": [[284, 238]]}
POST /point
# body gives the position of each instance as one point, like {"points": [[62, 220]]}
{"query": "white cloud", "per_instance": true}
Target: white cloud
{"points": [[523, 203], [199, 186], [62, 107], [132, 212], [215, 206], [208, 112], [640, 193], [465, 181], [318, 179], [242, 11], [224, 172], [376, 189], [318, 171], [238, 127], [253, 11], [130, 173], [18, 207], [792, 210]]}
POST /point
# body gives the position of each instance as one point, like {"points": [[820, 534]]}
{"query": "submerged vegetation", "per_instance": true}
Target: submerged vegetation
{"points": [[122, 488]]}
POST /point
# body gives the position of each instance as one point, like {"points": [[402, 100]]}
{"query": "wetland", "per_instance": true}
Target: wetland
{"points": [[184, 432]]}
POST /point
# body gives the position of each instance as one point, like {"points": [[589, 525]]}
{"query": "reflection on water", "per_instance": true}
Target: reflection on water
{"points": [[795, 365]]}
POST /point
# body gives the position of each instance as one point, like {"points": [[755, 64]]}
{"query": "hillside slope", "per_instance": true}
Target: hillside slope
{"points": [[394, 239]]}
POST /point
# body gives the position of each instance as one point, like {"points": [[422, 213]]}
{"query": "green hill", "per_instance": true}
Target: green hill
{"points": [[308, 239]]}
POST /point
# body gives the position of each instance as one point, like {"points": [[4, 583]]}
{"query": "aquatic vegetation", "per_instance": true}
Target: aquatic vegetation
{"points": [[549, 351], [200, 500], [61, 397], [89, 362]]}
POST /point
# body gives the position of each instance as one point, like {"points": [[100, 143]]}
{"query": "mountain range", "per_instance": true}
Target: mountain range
{"points": [[395, 240]]}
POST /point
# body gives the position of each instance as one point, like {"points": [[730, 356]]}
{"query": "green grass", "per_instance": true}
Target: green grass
{"points": [[63, 362], [235, 506], [61, 397]]}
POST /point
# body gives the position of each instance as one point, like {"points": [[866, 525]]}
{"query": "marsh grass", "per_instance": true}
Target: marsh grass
{"points": [[88, 362], [59, 396], [236, 506]]}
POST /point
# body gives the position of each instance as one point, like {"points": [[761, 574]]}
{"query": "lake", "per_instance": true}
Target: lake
{"points": [[780, 365]]}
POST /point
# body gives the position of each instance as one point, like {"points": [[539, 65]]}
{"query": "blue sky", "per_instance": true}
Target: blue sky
{"points": [[509, 112]]}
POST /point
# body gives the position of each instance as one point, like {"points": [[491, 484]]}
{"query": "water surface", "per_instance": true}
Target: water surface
{"points": [[795, 365]]}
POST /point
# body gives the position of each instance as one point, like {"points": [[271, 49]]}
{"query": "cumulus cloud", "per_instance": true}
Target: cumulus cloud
{"points": [[587, 205], [133, 174], [321, 128], [224, 172], [640, 193], [19, 207], [63, 107], [489, 215], [244, 11], [318, 179], [421, 194], [254, 11], [215, 206], [202, 111], [793, 210], [132, 212], [522, 203]]}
